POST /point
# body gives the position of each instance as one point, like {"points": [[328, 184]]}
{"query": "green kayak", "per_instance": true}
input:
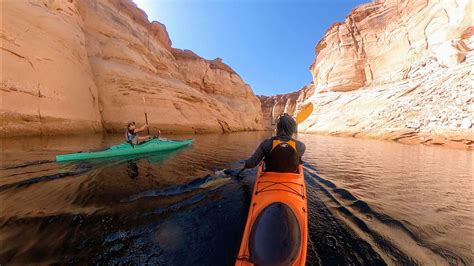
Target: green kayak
{"points": [[152, 145]]}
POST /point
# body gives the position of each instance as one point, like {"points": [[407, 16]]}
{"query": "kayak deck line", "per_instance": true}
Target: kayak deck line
{"points": [[153, 145], [285, 184]]}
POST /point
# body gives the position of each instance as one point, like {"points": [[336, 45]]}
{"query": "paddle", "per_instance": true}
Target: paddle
{"points": [[146, 116], [238, 174]]}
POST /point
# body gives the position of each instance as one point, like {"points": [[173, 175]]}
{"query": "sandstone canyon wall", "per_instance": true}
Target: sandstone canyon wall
{"points": [[73, 66], [46, 80], [273, 106], [399, 70]]}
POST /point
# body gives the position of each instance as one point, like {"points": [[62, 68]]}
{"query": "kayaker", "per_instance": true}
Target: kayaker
{"points": [[276, 230], [280, 153], [131, 134]]}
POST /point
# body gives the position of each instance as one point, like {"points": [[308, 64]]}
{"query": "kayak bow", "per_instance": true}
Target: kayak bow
{"points": [[126, 148], [276, 230]]}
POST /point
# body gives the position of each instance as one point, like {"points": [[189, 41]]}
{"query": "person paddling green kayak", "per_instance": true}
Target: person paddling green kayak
{"points": [[133, 145], [132, 137]]}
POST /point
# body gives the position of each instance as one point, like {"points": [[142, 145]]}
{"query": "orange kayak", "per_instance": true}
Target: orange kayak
{"points": [[276, 231]]}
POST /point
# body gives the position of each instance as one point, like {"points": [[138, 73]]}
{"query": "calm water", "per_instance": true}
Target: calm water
{"points": [[370, 202]]}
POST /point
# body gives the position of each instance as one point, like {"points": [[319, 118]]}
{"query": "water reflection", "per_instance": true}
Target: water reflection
{"points": [[370, 202], [132, 169]]}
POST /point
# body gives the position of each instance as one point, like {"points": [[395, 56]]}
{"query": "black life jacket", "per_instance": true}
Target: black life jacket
{"points": [[130, 134], [283, 158]]}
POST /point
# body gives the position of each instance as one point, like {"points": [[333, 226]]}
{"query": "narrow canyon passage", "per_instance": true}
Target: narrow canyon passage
{"points": [[75, 73]]}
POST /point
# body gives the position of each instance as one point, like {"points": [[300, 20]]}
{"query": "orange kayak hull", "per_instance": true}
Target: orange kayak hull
{"points": [[285, 189]]}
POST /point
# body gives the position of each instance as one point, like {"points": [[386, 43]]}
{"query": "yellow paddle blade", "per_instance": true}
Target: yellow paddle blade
{"points": [[304, 113]]}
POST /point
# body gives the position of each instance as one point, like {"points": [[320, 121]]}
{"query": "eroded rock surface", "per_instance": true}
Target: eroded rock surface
{"points": [[273, 106], [399, 70], [72, 66], [46, 80]]}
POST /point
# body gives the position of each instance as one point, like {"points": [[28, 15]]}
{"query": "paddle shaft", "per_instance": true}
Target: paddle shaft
{"points": [[146, 121], [146, 116], [238, 174]]}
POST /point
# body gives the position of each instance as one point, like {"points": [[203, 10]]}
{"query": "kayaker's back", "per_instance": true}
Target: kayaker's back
{"points": [[283, 156], [280, 153]]}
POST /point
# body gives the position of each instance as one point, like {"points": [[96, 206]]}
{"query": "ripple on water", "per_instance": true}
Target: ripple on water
{"points": [[369, 203]]}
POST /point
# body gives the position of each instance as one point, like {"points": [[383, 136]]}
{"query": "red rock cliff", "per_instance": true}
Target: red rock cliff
{"points": [[71, 66], [396, 70], [290, 103]]}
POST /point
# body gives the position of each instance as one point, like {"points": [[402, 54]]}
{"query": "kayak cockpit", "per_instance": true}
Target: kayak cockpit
{"points": [[275, 238]]}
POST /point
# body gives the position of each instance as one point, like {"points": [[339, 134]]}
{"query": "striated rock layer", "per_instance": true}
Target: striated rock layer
{"points": [[73, 66], [399, 70], [273, 106], [46, 80]]}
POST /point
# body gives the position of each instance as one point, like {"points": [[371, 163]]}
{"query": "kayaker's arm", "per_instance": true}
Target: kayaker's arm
{"points": [[140, 129], [258, 155], [301, 149]]}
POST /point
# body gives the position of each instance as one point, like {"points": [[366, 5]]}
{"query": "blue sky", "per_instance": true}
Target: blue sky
{"points": [[269, 43]]}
